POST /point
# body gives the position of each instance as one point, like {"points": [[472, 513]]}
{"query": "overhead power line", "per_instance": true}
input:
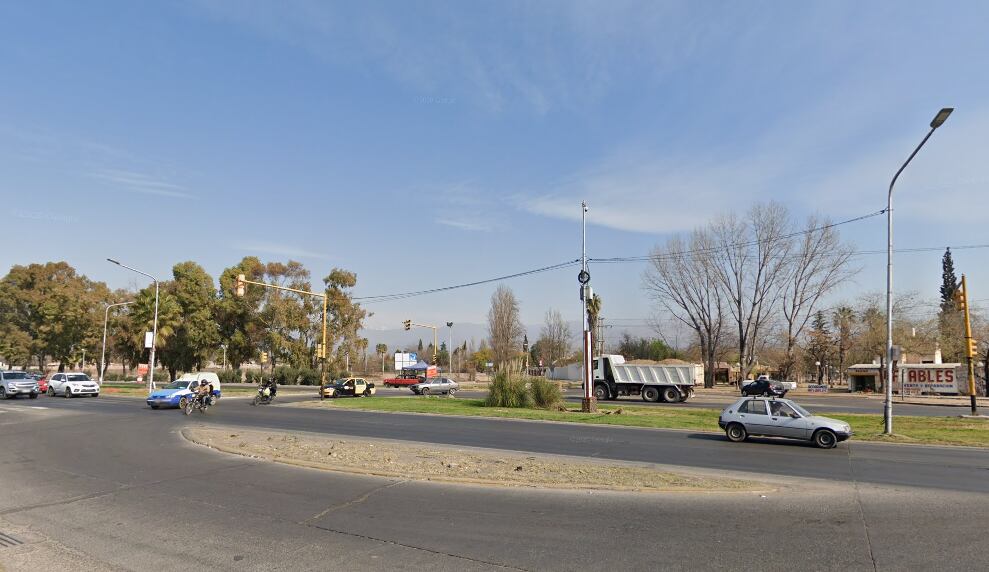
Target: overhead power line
{"points": [[403, 295]]}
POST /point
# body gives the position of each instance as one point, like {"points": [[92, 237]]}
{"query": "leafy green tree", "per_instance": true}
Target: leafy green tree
{"points": [[236, 315], [345, 317], [141, 318], [951, 320], [644, 348], [820, 345], [60, 312], [196, 336]]}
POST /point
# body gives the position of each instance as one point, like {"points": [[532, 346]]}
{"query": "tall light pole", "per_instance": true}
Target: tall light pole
{"points": [[588, 403], [938, 120], [154, 328], [449, 350], [106, 318]]}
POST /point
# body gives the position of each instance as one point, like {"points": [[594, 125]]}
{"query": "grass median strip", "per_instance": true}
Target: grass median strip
{"points": [[449, 464], [919, 430]]}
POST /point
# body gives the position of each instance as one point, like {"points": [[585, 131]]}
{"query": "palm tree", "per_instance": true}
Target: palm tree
{"points": [[843, 319], [593, 311]]}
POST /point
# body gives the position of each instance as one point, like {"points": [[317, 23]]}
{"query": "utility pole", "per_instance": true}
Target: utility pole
{"points": [[449, 349], [588, 403]]}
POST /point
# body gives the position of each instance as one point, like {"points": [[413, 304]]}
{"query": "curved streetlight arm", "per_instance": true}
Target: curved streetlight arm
{"points": [[938, 120], [154, 328]]}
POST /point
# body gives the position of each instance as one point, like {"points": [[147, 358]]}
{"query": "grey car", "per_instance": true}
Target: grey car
{"points": [[435, 385], [14, 383], [775, 417]]}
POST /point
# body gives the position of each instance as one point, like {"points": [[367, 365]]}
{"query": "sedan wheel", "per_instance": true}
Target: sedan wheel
{"points": [[825, 439], [736, 433], [425, 391], [51, 391]]}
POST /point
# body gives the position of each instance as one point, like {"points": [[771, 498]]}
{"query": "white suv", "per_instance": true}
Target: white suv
{"points": [[71, 384]]}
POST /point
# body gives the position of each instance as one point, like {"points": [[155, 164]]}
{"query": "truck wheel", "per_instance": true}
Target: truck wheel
{"points": [[671, 395], [650, 394], [825, 439], [601, 392], [736, 432]]}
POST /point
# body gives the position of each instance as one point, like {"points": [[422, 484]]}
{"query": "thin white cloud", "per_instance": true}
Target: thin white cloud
{"points": [[562, 55], [141, 183], [281, 250], [470, 225]]}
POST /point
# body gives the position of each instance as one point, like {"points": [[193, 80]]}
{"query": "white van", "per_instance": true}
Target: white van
{"points": [[209, 376]]}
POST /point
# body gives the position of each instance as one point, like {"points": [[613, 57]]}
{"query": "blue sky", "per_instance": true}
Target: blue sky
{"points": [[431, 143]]}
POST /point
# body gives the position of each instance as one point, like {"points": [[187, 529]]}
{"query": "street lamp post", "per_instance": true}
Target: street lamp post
{"points": [[588, 404], [449, 350], [154, 327], [938, 120], [106, 318]]}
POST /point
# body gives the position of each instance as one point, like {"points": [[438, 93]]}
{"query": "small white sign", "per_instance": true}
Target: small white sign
{"points": [[148, 339]]}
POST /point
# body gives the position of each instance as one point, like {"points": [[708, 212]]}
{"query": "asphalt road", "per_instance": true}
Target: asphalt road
{"points": [[106, 483]]}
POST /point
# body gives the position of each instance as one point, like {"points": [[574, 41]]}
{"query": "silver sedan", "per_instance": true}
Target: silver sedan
{"points": [[435, 385], [780, 418]]}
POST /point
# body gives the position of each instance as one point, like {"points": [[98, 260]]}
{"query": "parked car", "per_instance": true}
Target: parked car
{"points": [[435, 385], [14, 383], [765, 387], [780, 418], [43, 384], [72, 384], [348, 387]]}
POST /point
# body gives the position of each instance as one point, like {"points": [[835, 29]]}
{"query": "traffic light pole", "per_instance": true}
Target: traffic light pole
{"points": [[239, 292], [409, 324], [969, 348]]}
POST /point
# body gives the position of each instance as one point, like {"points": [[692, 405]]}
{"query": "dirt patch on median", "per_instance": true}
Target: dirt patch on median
{"points": [[436, 463]]}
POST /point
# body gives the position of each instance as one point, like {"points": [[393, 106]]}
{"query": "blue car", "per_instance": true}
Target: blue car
{"points": [[171, 395]]}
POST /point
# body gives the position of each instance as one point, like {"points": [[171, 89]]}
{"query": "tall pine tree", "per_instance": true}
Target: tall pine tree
{"points": [[951, 325], [949, 281]]}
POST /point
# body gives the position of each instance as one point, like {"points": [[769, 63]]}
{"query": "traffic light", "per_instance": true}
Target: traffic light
{"points": [[240, 285], [408, 324], [264, 357], [961, 300], [973, 348], [320, 353]]}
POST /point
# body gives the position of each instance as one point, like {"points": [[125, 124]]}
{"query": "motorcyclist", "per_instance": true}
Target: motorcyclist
{"points": [[203, 392], [273, 387]]}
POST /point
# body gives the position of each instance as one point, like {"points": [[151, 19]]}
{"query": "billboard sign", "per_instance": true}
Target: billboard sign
{"points": [[932, 378], [405, 359]]}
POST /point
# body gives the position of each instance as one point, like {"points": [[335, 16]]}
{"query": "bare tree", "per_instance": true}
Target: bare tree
{"points": [[504, 326], [554, 339], [749, 261], [683, 281], [817, 264]]}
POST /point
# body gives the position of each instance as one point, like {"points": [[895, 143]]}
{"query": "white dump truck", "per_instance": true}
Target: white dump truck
{"points": [[614, 378]]}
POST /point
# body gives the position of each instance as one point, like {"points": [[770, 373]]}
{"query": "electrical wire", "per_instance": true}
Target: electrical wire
{"points": [[403, 295]]}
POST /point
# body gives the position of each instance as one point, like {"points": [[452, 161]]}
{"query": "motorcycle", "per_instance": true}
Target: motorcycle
{"points": [[263, 397], [197, 403]]}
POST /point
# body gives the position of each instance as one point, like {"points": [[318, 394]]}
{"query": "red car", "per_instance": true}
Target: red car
{"points": [[43, 384]]}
